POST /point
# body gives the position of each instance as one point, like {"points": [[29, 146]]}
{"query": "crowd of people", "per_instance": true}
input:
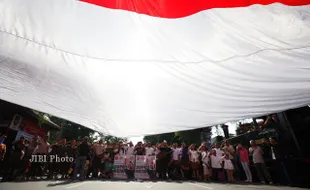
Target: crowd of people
{"points": [[217, 162]]}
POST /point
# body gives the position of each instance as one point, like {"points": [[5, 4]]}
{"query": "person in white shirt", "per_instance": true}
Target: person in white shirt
{"points": [[230, 150], [205, 163], [157, 149], [149, 150], [121, 149], [229, 167], [130, 149], [258, 160], [194, 161], [42, 147], [216, 165], [175, 155], [218, 151]]}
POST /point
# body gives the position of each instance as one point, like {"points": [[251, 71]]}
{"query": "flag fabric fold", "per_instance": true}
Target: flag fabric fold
{"points": [[127, 68]]}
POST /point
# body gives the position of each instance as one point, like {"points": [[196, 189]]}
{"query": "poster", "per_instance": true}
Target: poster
{"points": [[15, 124], [130, 162], [151, 162], [119, 167], [141, 168], [130, 166], [151, 166]]}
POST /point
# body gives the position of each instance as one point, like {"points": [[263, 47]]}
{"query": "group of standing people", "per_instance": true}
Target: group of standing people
{"points": [[225, 162], [216, 163]]}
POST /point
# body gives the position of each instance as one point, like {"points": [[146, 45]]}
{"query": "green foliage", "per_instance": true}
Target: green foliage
{"points": [[73, 131], [191, 136], [106, 138], [154, 139]]}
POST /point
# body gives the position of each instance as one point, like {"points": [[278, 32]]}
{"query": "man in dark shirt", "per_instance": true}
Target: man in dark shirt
{"points": [[83, 152], [15, 162], [54, 167], [63, 152], [139, 149], [277, 156], [72, 151], [164, 158]]}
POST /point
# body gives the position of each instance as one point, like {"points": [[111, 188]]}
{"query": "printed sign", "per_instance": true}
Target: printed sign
{"points": [[151, 162], [130, 162], [141, 168], [119, 167], [151, 166], [17, 119]]}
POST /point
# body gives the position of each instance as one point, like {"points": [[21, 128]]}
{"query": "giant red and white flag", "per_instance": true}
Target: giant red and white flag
{"points": [[136, 67]]}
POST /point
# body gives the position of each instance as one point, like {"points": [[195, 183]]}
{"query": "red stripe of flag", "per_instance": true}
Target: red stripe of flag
{"points": [[183, 8]]}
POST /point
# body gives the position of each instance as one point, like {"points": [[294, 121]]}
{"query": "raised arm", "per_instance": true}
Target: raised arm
{"points": [[3, 152], [222, 145]]}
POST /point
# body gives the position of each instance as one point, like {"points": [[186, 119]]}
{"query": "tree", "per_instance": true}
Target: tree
{"points": [[190, 136], [97, 136], [154, 139], [73, 131]]}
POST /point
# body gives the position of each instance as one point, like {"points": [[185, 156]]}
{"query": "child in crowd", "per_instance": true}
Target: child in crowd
{"points": [[229, 167]]}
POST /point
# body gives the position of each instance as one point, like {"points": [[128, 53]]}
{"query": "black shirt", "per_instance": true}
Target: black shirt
{"points": [[71, 151], [56, 149], [19, 146], [165, 153], [83, 149], [63, 150], [277, 151], [140, 150]]}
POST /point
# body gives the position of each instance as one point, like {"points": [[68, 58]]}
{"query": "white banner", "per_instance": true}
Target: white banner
{"points": [[119, 167], [254, 62], [141, 168]]}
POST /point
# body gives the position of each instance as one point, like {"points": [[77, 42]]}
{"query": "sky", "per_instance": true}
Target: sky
{"points": [[134, 140]]}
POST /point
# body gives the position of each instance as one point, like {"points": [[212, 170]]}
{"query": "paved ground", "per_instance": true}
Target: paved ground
{"points": [[121, 185]]}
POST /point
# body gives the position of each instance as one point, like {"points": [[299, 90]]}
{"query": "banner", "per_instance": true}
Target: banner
{"points": [[27, 136], [33, 128], [141, 168], [119, 167], [130, 166]]}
